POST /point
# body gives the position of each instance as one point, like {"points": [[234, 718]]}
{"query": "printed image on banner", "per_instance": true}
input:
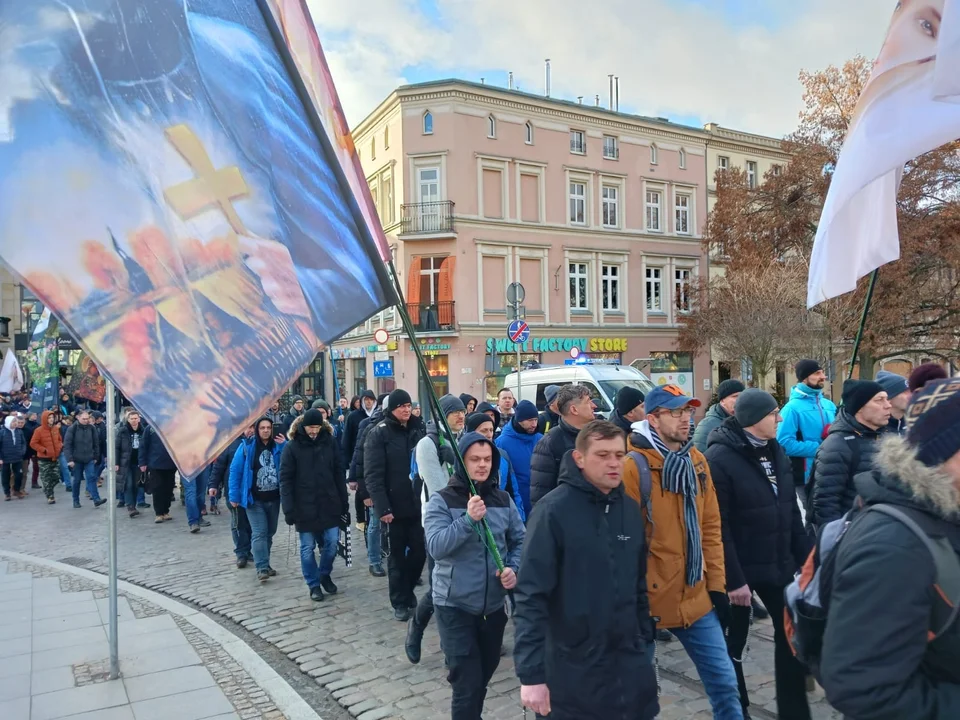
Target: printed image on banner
{"points": [[43, 362], [86, 382], [185, 223]]}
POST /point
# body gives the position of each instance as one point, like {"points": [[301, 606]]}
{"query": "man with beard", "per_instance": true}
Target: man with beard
{"points": [[129, 439]]}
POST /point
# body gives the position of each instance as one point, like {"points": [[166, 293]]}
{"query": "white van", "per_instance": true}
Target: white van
{"points": [[604, 381]]}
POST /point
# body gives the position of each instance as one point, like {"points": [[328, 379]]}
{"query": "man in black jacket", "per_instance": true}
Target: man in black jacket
{"points": [[899, 396], [218, 483], [764, 542], [583, 617], [576, 410], [128, 442], [82, 449], [162, 473], [877, 659], [386, 471], [848, 449], [549, 417], [313, 492], [362, 500], [628, 409], [368, 403]]}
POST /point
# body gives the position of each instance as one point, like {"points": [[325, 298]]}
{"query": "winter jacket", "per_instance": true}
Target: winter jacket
{"points": [[465, 398], [897, 427], [241, 470], [519, 446], [387, 451], [486, 407], [671, 599], [583, 616], [617, 419], [833, 488], [546, 421], [764, 541], [430, 467], [47, 441], [102, 442], [126, 436], [29, 428], [153, 453], [356, 464], [510, 485], [876, 661], [82, 444], [351, 432], [13, 446], [545, 463], [805, 416], [218, 479], [313, 483], [464, 573], [711, 421]]}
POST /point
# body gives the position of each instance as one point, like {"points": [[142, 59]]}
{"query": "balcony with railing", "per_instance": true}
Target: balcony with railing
{"points": [[433, 317], [431, 218]]}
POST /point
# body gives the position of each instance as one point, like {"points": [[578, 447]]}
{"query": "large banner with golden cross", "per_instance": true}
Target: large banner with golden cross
{"points": [[164, 190]]}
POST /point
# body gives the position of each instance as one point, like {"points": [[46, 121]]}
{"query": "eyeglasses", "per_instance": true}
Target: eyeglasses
{"points": [[679, 413]]}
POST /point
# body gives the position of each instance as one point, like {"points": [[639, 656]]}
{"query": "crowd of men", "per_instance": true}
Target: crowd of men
{"points": [[603, 537]]}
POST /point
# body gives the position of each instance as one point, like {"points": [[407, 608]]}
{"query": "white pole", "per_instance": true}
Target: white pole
{"points": [[112, 519]]}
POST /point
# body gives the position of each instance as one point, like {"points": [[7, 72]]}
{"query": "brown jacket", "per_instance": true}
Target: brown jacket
{"points": [[46, 440], [671, 599]]}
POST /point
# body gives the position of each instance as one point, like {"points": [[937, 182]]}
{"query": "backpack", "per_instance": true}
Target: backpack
{"points": [[646, 486], [807, 598]]}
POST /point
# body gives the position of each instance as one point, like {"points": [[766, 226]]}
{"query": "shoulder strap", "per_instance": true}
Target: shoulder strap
{"points": [[855, 449], [646, 483]]}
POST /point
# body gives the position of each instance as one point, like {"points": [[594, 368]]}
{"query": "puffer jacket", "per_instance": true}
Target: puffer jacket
{"points": [[13, 446], [764, 540], [833, 488], [676, 604], [883, 580], [313, 483], [519, 446], [47, 441], [464, 573], [805, 416], [387, 452], [127, 437], [82, 443], [583, 616], [545, 463], [711, 421]]}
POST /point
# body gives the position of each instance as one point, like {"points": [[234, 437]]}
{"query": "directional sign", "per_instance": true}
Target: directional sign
{"points": [[515, 293], [383, 368], [518, 331]]}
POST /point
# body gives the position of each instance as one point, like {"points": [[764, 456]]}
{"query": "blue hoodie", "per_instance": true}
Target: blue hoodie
{"points": [[810, 413], [519, 446], [241, 470]]}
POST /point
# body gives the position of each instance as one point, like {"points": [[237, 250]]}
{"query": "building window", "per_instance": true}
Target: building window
{"points": [[682, 210], [681, 282], [491, 126], [386, 138], [528, 129], [611, 150], [777, 170], [428, 123], [653, 211], [578, 285], [751, 175], [429, 185], [654, 289], [430, 279], [373, 148], [654, 155], [723, 162], [386, 201], [610, 280], [611, 206], [578, 142], [578, 203], [683, 159]]}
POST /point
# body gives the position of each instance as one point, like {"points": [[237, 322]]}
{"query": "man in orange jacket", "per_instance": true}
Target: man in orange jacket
{"points": [[686, 580]]}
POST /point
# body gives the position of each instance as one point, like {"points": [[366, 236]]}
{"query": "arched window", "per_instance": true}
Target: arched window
{"points": [[491, 126], [386, 137], [428, 123], [373, 148], [529, 133], [654, 155], [683, 159]]}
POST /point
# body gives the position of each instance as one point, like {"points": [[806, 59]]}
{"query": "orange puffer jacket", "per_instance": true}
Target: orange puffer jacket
{"points": [[46, 440]]}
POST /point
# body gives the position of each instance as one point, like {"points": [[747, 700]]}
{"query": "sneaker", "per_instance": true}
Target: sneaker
{"points": [[194, 529], [414, 640], [134, 512], [51, 501], [6, 498], [98, 503], [167, 518], [76, 505], [327, 584], [271, 572], [401, 613], [121, 504], [241, 563], [263, 575], [377, 570], [204, 523], [158, 519], [143, 505], [316, 594]]}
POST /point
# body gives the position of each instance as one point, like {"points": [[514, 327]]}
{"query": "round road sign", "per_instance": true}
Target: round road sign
{"points": [[518, 331], [515, 293], [381, 336]]}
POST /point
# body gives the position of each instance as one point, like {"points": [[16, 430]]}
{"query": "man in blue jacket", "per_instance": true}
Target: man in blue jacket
{"points": [[805, 417], [518, 439]]}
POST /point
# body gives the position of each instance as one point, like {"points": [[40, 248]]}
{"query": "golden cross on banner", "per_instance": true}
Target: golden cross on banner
{"points": [[211, 187]]}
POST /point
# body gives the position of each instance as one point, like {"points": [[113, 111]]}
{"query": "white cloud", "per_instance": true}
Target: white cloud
{"points": [[673, 58]]}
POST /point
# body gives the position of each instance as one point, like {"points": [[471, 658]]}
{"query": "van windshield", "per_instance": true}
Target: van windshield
{"points": [[612, 387]]}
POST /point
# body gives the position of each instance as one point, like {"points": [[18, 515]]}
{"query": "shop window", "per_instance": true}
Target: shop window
{"points": [[359, 376], [438, 367]]}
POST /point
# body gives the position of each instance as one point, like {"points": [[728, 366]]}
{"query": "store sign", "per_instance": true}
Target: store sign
{"points": [[435, 347], [554, 344], [354, 353], [388, 347]]}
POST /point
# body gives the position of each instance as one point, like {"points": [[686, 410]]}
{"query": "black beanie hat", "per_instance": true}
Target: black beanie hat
{"points": [[752, 406], [857, 393], [729, 387], [312, 417], [475, 420], [627, 399], [397, 398], [806, 368], [933, 421]]}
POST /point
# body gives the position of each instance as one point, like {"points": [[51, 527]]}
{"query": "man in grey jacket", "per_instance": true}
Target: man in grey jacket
{"points": [[468, 590], [727, 393]]}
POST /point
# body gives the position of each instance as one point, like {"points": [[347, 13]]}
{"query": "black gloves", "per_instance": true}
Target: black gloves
{"points": [[447, 455], [721, 603], [289, 519]]}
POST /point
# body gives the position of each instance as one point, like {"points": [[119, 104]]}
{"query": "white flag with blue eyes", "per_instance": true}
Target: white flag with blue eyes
{"points": [[910, 106]]}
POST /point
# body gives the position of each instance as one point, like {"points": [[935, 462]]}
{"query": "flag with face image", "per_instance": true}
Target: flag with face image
{"points": [[188, 222], [909, 106]]}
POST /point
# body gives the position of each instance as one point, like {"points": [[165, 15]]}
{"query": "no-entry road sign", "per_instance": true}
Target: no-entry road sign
{"points": [[518, 332]]}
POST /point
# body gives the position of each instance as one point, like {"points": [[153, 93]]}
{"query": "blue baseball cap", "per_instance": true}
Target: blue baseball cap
{"points": [[670, 397]]}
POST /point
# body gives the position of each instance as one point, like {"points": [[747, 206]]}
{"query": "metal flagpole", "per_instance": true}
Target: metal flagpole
{"points": [[112, 518]]}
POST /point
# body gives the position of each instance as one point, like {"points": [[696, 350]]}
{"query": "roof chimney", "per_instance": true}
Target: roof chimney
{"points": [[598, 101], [482, 82], [579, 99], [616, 94], [510, 80], [546, 77], [610, 98]]}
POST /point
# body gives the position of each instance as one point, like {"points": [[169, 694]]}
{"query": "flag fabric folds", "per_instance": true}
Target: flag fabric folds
{"points": [[185, 221], [11, 376], [907, 108]]}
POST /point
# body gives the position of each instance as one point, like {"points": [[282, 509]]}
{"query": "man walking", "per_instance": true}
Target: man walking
{"points": [[47, 443], [468, 589], [628, 408], [155, 460], [518, 440], [129, 440], [576, 410], [219, 483], [362, 499], [82, 448], [12, 449], [899, 396], [29, 426], [727, 393], [505, 403], [583, 616], [387, 453], [368, 404], [550, 415], [313, 492]]}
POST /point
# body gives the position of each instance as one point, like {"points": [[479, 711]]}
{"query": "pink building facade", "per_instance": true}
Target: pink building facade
{"points": [[598, 214]]}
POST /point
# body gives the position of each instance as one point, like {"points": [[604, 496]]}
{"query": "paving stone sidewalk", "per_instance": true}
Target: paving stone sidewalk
{"points": [[349, 644]]}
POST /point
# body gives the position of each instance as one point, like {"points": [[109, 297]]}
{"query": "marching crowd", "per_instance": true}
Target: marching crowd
{"points": [[602, 538]]}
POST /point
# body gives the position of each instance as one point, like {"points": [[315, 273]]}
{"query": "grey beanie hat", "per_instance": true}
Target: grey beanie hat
{"points": [[752, 406]]}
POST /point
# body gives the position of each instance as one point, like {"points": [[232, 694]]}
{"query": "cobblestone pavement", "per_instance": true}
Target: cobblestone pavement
{"points": [[350, 643]]}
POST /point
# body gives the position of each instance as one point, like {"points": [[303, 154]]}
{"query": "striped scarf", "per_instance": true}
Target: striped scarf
{"points": [[680, 478]]}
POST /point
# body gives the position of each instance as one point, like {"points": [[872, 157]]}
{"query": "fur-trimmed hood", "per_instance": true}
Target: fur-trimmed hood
{"points": [[298, 421], [898, 471]]}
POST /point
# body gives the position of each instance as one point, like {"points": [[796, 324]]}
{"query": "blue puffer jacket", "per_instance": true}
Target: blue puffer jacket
{"points": [[508, 483], [13, 445], [809, 413], [241, 471], [519, 446]]}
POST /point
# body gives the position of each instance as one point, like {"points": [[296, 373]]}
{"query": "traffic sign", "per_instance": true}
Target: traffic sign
{"points": [[515, 293], [383, 368], [574, 352], [518, 331], [381, 336]]}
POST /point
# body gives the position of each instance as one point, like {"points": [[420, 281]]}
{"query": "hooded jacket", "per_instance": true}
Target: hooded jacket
{"points": [[764, 541], [876, 661], [351, 427], [47, 441], [241, 469], [465, 399], [13, 446], [583, 617], [387, 451], [82, 443], [545, 463], [805, 416], [833, 488], [486, 407], [713, 419], [313, 483], [519, 446], [464, 573], [673, 601]]}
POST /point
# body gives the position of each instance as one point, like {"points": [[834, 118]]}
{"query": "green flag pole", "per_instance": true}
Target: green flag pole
{"points": [[863, 322]]}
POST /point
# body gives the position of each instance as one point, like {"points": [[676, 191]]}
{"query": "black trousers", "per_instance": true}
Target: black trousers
{"points": [[14, 470], [161, 485], [408, 553], [425, 606], [471, 644], [789, 673]]}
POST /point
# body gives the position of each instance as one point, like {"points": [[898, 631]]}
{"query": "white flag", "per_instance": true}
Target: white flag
{"points": [[11, 377], [907, 109]]}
